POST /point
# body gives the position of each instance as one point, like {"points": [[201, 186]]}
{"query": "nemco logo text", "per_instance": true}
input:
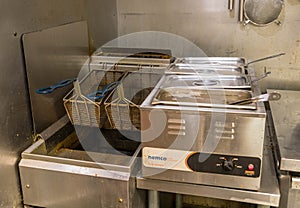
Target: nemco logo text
{"points": [[157, 158]]}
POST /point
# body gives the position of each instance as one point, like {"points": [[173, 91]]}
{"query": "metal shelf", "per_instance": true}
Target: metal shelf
{"points": [[286, 117]]}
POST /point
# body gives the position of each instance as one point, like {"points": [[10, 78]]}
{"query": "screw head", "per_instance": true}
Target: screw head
{"points": [[120, 200], [27, 186]]}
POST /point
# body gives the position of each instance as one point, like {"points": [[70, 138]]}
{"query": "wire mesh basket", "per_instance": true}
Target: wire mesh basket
{"points": [[86, 110], [123, 103]]}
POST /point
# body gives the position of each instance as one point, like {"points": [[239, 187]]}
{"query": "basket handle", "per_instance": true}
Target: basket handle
{"points": [[120, 91], [77, 88]]}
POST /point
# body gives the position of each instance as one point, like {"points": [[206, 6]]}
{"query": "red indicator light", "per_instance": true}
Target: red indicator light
{"points": [[251, 167]]}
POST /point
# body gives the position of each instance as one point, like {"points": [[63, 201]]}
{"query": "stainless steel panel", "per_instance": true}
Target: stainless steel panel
{"points": [[268, 194], [16, 18], [205, 179], [286, 116], [210, 26], [101, 16], [48, 184], [53, 55], [247, 141], [59, 170], [247, 138]]}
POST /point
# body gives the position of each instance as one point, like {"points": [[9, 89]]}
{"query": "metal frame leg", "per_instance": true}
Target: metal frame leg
{"points": [[153, 199], [178, 201], [285, 184]]}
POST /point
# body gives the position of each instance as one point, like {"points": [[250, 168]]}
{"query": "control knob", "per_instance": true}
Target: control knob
{"points": [[228, 165]]}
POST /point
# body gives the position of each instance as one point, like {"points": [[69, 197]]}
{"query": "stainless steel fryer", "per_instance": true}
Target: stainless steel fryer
{"points": [[190, 134], [81, 167]]}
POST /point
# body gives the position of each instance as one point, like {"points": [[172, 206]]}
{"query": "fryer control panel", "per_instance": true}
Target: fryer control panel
{"points": [[201, 162], [224, 164]]}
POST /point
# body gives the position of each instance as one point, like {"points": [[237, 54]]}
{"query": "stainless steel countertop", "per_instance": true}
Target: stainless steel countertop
{"points": [[268, 194], [286, 117]]}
